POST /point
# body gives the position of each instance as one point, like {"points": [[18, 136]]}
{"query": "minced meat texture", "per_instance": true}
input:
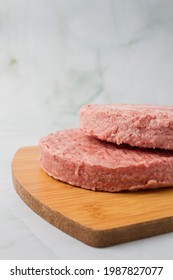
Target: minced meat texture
{"points": [[148, 126], [74, 158]]}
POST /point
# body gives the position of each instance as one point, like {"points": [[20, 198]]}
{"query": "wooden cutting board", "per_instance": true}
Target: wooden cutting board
{"points": [[96, 218]]}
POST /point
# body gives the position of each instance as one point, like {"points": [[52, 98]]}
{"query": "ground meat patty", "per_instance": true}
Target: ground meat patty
{"points": [[146, 126], [72, 157]]}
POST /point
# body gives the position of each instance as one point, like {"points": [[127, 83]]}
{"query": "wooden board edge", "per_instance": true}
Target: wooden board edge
{"points": [[58, 220], [94, 238]]}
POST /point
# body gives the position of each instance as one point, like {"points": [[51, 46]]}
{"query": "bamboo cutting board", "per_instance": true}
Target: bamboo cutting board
{"points": [[96, 218]]}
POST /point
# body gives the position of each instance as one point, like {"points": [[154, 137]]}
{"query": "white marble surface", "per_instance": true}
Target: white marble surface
{"points": [[55, 56]]}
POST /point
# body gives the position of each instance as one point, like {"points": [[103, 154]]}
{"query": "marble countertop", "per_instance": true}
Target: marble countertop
{"points": [[56, 56]]}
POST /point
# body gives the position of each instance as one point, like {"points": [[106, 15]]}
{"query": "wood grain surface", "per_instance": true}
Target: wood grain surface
{"points": [[98, 219]]}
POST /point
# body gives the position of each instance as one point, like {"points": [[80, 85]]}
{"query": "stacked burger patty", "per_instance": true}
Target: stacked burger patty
{"points": [[117, 148]]}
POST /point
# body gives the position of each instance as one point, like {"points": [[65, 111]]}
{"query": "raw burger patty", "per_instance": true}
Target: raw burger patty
{"points": [[72, 157], [146, 126]]}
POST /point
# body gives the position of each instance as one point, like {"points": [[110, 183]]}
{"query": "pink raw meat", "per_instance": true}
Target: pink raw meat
{"points": [[148, 126], [82, 161]]}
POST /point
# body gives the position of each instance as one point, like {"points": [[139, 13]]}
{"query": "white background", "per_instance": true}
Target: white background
{"points": [[56, 55]]}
